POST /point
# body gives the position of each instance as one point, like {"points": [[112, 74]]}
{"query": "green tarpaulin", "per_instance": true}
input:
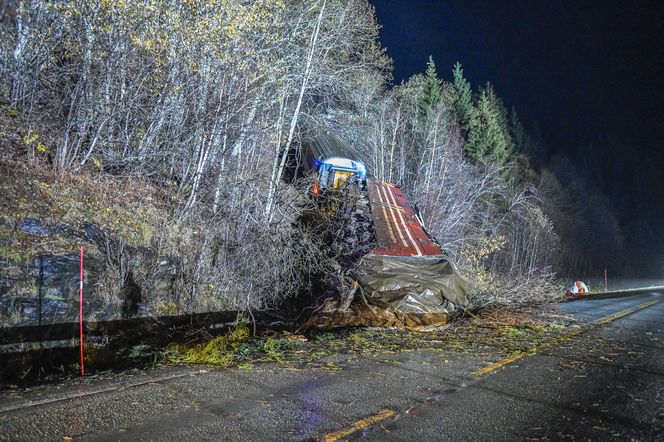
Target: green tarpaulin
{"points": [[396, 291]]}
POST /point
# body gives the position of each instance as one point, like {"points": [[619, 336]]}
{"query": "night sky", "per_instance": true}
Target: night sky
{"points": [[586, 75]]}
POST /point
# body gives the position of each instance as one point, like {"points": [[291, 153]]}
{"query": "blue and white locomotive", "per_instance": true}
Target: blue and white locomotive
{"points": [[330, 155]]}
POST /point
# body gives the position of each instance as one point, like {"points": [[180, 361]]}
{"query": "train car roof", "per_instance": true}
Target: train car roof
{"points": [[398, 231], [324, 142]]}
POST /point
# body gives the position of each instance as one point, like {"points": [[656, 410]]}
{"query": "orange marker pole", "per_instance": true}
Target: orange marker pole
{"points": [[80, 314]]}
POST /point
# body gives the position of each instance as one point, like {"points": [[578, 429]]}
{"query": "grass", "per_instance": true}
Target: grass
{"points": [[236, 348]]}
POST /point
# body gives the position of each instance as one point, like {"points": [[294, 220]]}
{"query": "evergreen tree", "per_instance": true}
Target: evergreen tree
{"points": [[518, 133], [462, 99], [489, 138], [431, 94]]}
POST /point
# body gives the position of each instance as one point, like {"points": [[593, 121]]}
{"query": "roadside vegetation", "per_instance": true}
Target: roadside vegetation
{"points": [[495, 333], [167, 125]]}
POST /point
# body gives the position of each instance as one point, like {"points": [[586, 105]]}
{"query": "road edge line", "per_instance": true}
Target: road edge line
{"points": [[82, 394]]}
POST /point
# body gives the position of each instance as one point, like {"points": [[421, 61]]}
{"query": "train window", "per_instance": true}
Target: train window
{"points": [[341, 178]]}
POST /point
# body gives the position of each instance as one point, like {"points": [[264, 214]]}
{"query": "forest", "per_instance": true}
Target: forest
{"points": [[169, 124]]}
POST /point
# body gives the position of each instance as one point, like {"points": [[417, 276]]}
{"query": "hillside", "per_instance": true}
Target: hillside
{"points": [[158, 135]]}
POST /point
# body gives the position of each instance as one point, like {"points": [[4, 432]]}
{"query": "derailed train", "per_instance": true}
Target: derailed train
{"points": [[406, 279]]}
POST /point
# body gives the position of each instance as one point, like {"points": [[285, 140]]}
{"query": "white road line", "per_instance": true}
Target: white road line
{"points": [[101, 390]]}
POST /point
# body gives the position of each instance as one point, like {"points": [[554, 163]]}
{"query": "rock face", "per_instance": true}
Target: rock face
{"points": [[39, 274], [27, 273], [131, 296], [45, 218]]}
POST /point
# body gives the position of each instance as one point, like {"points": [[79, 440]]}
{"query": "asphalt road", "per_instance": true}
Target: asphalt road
{"points": [[602, 383]]}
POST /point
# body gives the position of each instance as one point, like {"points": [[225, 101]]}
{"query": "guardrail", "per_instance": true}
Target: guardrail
{"points": [[136, 328], [619, 293], [125, 329]]}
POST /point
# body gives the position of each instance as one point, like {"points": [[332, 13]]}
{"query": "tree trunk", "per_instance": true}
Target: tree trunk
{"points": [[282, 153]]}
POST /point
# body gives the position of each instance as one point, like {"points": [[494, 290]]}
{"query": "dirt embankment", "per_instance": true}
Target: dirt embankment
{"points": [[44, 220]]}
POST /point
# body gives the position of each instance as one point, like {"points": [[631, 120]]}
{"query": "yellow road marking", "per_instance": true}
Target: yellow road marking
{"points": [[367, 422], [625, 313], [359, 425], [558, 339], [497, 365]]}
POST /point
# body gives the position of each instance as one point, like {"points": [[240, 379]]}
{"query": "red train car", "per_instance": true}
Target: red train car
{"points": [[398, 231]]}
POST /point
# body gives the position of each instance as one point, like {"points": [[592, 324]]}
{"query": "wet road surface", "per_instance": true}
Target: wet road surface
{"points": [[602, 383], [605, 383]]}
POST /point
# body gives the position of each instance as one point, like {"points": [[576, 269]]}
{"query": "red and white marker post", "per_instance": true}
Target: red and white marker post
{"points": [[80, 314]]}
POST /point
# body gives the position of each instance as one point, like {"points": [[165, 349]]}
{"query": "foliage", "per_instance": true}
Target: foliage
{"points": [[462, 99], [221, 350], [489, 140], [201, 104], [474, 259], [235, 348], [202, 100], [138, 351], [495, 331], [431, 93]]}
